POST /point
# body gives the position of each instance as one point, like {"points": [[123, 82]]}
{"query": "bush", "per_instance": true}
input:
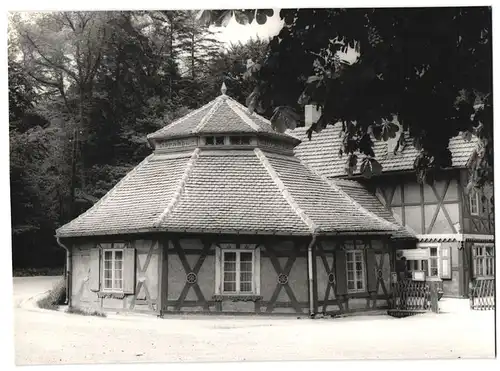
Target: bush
{"points": [[56, 296], [30, 272], [83, 312]]}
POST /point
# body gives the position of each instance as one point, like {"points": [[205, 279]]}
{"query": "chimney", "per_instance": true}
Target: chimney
{"points": [[311, 114]]}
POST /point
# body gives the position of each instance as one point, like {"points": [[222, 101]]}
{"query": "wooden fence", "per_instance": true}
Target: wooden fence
{"points": [[482, 294], [413, 297]]}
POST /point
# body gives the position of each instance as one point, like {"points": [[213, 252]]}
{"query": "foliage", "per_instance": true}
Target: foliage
{"points": [[231, 67], [82, 312], [55, 297], [426, 68], [35, 272], [85, 88]]}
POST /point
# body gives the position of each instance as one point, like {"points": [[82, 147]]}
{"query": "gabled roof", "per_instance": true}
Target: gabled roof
{"points": [[322, 152], [251, 188]]}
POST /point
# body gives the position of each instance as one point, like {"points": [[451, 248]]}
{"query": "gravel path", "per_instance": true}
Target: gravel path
{"points": [[47, 337]]}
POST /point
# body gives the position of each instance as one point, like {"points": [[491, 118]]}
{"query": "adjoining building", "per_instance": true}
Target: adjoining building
{"points": [[454, 226]]}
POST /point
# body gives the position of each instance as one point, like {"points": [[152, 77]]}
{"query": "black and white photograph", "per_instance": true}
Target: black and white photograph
{"points": [[272, 183]]}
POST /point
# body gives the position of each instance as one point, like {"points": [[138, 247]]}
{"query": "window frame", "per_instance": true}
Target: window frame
{"points": [[361, 253], [484, 258], [113, 268], [474, 195], [221, 250], [428, 247]]}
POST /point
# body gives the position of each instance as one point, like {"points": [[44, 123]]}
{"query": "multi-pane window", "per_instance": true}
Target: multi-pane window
{"points": [[418, 265], [218, 141], [113, 270], [237, 272], [239, 140], [355, 271], [433, 262], [484, 260], [474, 202]]}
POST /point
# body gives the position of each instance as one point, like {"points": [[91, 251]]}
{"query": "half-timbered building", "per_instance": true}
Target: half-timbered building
{"points": [[222, 217], [454, 227]]}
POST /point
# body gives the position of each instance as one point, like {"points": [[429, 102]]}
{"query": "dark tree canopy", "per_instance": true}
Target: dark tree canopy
{"points": [[428, 68]]}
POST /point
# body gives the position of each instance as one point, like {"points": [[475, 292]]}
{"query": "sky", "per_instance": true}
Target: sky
{"points": [[235, 32]]}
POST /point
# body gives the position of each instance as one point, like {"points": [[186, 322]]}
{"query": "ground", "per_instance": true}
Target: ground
{"points": [[455, 333]]}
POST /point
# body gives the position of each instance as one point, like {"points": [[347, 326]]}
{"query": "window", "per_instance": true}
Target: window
{"points": [[237, 270], [484, 260], [432, 258], [433, 262], [240, 140], [474, 202], [218, 141], [113, 270], [355, 271], [418, 265]]}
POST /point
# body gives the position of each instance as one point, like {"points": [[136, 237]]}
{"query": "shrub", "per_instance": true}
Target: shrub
{"points": [[55, 297], [30, 272], [83, 312]]}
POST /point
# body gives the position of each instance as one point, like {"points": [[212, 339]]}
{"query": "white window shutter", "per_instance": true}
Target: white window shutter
{"points": [[129, 271], [445, 262], [257, 270], [218, 262], [95, 271]]}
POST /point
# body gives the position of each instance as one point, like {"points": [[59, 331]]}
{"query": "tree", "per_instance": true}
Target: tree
{"points": [[428, 68], [231, 66]]}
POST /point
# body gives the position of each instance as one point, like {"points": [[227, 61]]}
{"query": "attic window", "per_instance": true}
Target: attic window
{"points": [[240, 140], [218, 141]]}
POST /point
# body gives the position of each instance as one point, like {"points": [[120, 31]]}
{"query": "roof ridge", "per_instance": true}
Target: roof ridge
{"points": [[180, 189], [181, 119], [242, 115], [204, 120], [284, 191], [359, 206], [108, 194]]}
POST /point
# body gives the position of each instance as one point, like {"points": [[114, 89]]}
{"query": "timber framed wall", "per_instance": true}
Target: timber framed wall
{"points": [[141, 270], [182, 273]]}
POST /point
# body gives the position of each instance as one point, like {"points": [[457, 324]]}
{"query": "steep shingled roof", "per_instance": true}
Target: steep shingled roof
{"points": [[322, 152], [256, 187], [223, 114]]}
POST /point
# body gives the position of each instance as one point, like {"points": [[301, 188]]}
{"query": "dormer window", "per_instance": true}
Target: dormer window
{"points": [[240, 140], [218, 141]]}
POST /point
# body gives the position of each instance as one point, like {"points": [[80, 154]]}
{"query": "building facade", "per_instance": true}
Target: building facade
{"points": [[454, 226], [222, 218]]}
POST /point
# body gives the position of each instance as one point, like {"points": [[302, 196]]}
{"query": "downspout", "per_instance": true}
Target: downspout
{"points": [[310, 275], [68, 271]]}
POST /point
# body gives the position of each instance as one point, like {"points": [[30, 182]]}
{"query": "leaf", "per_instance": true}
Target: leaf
{"points": [[241, 17], [261, 18], [252, 99], [351, 164], [226, 18], [284, 118], [314, 78], [370, 167]]}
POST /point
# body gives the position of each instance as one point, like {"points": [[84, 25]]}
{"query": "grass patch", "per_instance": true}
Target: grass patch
{"points": [[55, 297], [83, 312], [32, 272]]}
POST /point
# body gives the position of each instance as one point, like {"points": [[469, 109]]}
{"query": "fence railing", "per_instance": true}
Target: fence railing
{"points": [[412, 297], [482, 294]]}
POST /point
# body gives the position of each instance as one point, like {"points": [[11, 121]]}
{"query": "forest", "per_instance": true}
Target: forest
{"points": [[85, 88]]}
